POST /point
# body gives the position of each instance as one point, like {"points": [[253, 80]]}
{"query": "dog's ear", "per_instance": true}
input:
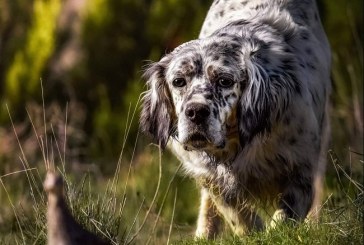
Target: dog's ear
{"points": [[268, 91], [157, 108], [254, 108]]}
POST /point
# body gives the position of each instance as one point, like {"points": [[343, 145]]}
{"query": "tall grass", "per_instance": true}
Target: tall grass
{"points": [[110, 208]]}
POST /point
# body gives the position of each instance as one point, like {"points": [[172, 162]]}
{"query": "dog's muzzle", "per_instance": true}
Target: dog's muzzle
{"points": [[197, 114]]}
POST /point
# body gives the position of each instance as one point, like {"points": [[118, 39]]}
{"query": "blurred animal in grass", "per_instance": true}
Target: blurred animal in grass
{"points": [[62, 228]]}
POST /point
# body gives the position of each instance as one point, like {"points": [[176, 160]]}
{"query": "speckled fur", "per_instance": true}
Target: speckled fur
{"points": [[258, 81]]}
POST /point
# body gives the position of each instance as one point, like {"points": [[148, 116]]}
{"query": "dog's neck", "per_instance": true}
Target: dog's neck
{"points": [[202, 163]]}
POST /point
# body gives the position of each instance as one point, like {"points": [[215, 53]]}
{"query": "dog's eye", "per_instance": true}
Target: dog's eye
{"points": [[179, 82], [225, 82]]}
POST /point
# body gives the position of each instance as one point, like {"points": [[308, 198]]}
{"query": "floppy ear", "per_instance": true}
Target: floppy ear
{"points": [[157, 108], [268, 92], [254, 108]]}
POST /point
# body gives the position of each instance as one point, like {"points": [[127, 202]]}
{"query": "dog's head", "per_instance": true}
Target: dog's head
{"points": [[209, 91]]}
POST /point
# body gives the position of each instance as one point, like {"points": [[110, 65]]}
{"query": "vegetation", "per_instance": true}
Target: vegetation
{"points": [[81, 118]]}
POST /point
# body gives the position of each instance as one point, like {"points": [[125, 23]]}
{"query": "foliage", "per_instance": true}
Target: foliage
{"points": [[345, 33], [23, 74]]}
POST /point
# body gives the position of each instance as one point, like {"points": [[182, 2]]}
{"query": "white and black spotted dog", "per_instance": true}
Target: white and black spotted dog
{"points": [[245, 108]]}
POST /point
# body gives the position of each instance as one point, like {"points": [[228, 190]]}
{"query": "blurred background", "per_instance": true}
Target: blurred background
{"points": [[70, 82]]}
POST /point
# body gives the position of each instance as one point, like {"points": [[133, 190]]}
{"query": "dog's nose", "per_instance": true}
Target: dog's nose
{"points": [[197, 113]]}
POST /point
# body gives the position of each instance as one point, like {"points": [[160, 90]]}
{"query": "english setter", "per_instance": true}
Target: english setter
{"points": [[245, 108]]}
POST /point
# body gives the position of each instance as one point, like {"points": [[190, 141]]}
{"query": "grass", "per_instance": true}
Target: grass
{"points": [[112, 208], [341, 220]]}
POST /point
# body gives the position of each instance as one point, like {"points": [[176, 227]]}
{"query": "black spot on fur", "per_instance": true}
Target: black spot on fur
{"points": [[264, 45], [311, 66], [295, 82], [315, 97], [305, 35], [304, 16], [226, 62], [287, 50], [236, 39], [287, 61], [227, 97], [223, 103], [234, 46], [314, 137], [308, 51], [288, 37], [213, 46], [221, 13], [215, 105], [287, 67], [261, 6], [189, 97], [215, 112], [265, 61], [198, 67], [208, 96], [287, 121], [237, 23], [254, 123], [282, 160], [292, 141]]}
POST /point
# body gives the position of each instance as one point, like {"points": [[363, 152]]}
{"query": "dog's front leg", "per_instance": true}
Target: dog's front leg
{"points": [[296, 201], [208, 222]]}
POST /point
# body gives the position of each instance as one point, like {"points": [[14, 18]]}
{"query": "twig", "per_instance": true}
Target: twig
{"points": [[171, 224]]}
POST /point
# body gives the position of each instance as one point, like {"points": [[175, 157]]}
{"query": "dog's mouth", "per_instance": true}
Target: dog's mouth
{"points": [[197, 141], [200, 141]]}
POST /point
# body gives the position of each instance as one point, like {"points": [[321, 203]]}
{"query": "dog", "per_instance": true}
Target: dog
{"points": [[245, 107]]}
